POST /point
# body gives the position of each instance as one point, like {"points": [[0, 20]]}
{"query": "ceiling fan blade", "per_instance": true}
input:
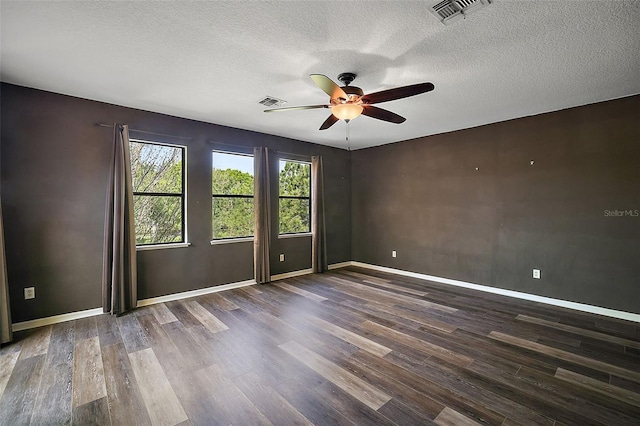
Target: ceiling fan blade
{"points": [[328, 86], [297, 107], [382, 114], [330, 121], [397, 93]]}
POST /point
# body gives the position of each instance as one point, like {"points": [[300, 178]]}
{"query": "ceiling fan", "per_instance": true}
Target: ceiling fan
{"points": [[348, 102]]}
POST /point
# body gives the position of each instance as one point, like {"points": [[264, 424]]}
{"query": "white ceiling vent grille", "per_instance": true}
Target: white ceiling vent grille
{"points": [[448, 11], [270, 101]]}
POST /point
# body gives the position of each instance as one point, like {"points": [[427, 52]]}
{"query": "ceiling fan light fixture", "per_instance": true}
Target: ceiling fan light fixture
{"points": [[346, 111]]}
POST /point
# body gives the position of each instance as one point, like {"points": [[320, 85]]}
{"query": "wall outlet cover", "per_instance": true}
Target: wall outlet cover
{"points": [[29, 293], [536, 274]]}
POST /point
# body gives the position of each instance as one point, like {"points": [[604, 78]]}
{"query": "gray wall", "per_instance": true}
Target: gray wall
{"points": [[492, 226], [54, 167]]}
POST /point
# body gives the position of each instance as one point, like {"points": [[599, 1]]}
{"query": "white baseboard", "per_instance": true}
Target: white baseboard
{"points": [[510, 293], [339, 265], [291, 274], [194, 293], [41, 322], [308, 271]]}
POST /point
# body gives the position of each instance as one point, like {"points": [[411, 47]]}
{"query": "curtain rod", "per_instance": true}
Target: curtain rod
{"points": [[145, 132]]}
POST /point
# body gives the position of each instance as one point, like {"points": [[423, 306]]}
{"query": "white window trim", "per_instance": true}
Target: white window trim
{"points": [[296, 235], [162, 246], [231, 240], [186, 242]]}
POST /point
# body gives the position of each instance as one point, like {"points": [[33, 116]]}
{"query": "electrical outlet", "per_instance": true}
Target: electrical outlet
{"points": [[394, 254], [536, 274], [282, 257], [29, 293]]}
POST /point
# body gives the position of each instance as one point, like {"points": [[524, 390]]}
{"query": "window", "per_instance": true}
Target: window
{"points": [[232, 192], [158, 175], [294, 197]]}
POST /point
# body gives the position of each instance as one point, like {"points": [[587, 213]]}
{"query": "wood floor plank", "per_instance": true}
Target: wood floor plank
{"points": [[125, 400], [207, 319], [580, 331], [598, 386], [7, 363], [284, 285], [449, 417], [92, 413], [395, 287], [182, 314], [346, 381], [567, 356], [194, 354], [270, 403], [163, 314], [18, 399], [353, 338], [53, 403], [403, 415], [239, 409], [200, 401], [350, 407], [395, 374], [560, 403], [218, 300], [251, 289], [37, 343], [361, 275], [108, 331], [160, 400], [355, 288], [421, 345], [88, 372], [132, 334], [85, 328], [416, 315]]}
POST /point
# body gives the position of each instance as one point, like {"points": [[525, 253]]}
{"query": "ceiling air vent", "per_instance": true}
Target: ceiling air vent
{"points": [[448, 11], [270, 101]]}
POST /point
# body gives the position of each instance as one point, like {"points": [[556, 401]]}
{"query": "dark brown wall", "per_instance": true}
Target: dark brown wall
{"points": [[54, 168], [492, 226]]}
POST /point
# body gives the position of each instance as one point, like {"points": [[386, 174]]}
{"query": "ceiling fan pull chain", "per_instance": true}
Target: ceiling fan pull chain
{"points": [[347, 138]]}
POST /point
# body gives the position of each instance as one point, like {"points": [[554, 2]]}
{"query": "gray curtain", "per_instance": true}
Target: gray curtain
{"points": [[119, 276], [262, 224], [319, 245], [5, 311]]}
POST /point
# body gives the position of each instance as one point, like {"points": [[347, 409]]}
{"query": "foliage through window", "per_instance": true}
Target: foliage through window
{"points": [[294, 197], [158, 178], [232, 192]]}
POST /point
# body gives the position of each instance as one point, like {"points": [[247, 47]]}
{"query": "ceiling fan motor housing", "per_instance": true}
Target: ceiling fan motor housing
{"points": [[347, 77]]}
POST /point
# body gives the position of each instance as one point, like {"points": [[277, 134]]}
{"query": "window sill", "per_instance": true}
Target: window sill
{"points": [[231, 240], [162, 246], [301, 234]]}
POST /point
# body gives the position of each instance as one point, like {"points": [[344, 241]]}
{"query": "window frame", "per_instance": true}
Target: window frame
{"points": [[292, 197], [183, 198], [223, 240]]}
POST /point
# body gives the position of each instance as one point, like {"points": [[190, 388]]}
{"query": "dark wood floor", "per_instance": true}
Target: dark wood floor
{"points": [[346, 347]]}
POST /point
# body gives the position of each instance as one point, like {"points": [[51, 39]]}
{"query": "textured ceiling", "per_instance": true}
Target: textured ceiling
{"points": [[212, 61]]}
